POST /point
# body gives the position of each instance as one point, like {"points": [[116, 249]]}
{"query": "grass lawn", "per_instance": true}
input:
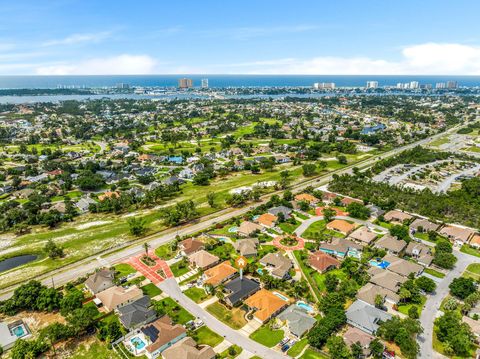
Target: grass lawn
{"points": [[288, 227], [405, 308], [312, 354], [265, 336], [175, 311], [190, 279], [92, 305], [320, 278], [307, 272], [469, 250], [312, 231], [96, 349], [180, 268], [474, 268], [124, 269], [434, 272], [234, 317], [297, 348], [231, 352], [300, 215], [151, 290], [196, 294], [165, 252], [204, 335]]}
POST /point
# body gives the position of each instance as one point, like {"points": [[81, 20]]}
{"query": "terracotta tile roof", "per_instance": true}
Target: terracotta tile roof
{"points": [[267, 219], [319, 211], [363, 234], [220, 273], [341, 226], [266, 304], [322, 261], [306, 197], [397, 216]]}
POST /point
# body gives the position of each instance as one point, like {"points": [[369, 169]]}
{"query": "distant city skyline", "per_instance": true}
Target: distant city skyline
{"points": [[72, 37]]}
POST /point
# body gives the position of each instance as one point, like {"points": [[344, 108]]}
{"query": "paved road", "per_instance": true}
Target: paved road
{"points": [[432, 305], [118, 254], [171, 288]]}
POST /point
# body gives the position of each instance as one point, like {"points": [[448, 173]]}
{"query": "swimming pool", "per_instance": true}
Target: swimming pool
{"points": [[379, 264], [137, 343], [305, 306], [19, 331], [222, 239], [233, 230], [281, 296], [254, 218], [260, 271]]}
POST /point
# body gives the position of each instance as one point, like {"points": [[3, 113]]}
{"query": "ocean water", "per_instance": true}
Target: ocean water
{"points": [[220, 81]]}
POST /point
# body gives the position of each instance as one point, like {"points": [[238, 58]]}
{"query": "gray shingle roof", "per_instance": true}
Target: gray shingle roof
{"points": [[241, 288], [299, 322], [365, 316], [136, 313]]}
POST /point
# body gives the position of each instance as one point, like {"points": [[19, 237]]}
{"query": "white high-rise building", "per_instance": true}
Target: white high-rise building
{"points": [[204, 83], [324, 85], [440, 85], [452, 84], [414, 85], [372, 84]]}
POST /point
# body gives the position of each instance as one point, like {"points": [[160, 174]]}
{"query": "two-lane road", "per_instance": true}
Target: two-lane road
{"points": [[171, 288]]}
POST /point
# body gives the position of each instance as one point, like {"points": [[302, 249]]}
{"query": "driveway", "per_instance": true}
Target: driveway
{"points": [[170, 287], [432, 305]]}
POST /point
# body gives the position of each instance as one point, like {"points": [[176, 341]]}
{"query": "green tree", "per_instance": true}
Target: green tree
{"points": [[462, 287], [328, 214], [357, 210], [376, 348], [337, 348], [211, 199], [137, 226], [426, 284], [52, 250]]}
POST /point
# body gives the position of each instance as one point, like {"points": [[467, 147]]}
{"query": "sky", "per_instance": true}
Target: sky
{"points": [[354, 37]]}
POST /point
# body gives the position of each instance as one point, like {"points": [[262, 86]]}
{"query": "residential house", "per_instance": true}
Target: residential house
{"points": [[266, 304], [402, 266], [161, 335], [187, 348], [421, 252], [267, 220], [348, 200], [248, 228], [108, 195], [386, 279], [391, 244], [365, 316], [306, 197], [83, 204], [398, 217], [322, 262], [423, 225], [100, 281], [239, 289], [340, 247], [202, 259], [369, 292], [114, 297], [475, 240], [280, 210], [186, 173], [298, 321], [219, 274], [474, 326], [137, 313], [277, 265], [246, 247], [341, 226], [363, 235], [190, 246], [458, 235], [354, 335]]}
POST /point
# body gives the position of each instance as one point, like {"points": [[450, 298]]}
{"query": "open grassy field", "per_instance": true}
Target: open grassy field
{"points": [[232, 317], [196, 294], [265, 336], [91, 234], [204, 335]]}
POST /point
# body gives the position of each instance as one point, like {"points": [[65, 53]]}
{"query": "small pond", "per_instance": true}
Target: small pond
{"points": [[16, 261]]}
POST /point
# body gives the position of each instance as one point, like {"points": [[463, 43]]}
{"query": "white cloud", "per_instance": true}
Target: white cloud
{"points": [[422, 59], [79, 38], [117, 65]]}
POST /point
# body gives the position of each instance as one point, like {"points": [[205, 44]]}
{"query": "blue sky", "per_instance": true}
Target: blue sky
{"points": [[234, 37]]}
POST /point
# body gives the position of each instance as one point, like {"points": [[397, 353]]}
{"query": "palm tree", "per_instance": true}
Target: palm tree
{"points": [[146, 246]]}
